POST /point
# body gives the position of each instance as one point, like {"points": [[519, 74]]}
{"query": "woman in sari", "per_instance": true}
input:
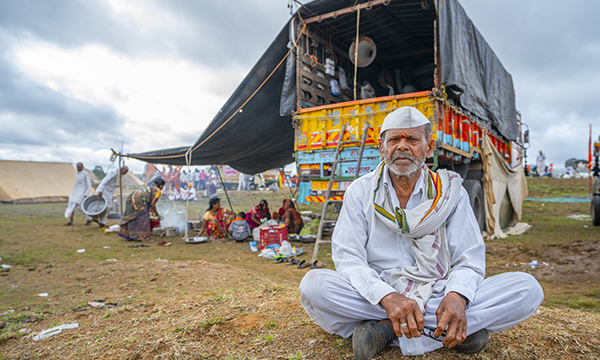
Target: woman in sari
{"points": [[216, 220], [277, 215], [259, 214], [291, 217], [136, 224]]}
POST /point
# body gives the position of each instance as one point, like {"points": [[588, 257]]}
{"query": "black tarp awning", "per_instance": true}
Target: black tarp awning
{"points": [[255, 139], [258, 138]]}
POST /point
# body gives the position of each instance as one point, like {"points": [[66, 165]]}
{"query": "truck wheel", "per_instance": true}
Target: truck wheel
{"points": [[475, 192], [596, 210], [252, 187]]}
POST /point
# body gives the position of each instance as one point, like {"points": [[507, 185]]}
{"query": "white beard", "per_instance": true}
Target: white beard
{"points": [[415, 166]]}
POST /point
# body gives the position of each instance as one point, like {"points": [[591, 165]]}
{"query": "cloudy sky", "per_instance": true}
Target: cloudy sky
{"points": [[78, 78]]}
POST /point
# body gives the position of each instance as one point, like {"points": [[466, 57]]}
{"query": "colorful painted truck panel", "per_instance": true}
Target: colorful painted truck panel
{"points": [[459, 138]]}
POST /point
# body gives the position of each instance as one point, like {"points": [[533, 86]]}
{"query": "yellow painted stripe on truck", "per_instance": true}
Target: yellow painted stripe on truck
{"points": [[322, 125]]}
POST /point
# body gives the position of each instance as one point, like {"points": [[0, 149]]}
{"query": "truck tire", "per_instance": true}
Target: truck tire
{"points": [[475, 192], [596, 210], [252, 187]]}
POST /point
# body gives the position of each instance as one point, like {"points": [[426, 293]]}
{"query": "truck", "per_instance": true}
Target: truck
{"points": [[346, 64], [424, 54]]}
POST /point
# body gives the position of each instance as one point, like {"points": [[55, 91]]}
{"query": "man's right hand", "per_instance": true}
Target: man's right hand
{"points": [[403, 310]]}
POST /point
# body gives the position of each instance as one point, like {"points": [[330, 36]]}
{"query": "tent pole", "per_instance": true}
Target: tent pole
{"points": [[188, 159], [120, 184], [224, 188], [290, 188]]}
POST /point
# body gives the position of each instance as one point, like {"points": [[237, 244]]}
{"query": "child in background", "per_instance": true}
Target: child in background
{"points": [[239, 228]]}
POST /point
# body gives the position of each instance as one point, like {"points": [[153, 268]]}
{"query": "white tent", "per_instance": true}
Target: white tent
{"points": [[32, 182]]}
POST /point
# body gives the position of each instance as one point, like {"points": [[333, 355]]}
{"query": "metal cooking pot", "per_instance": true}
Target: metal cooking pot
{"points": [[95, 206]]}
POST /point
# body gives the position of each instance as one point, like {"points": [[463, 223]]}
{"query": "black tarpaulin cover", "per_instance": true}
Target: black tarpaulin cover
{"points": [[260, 138], [470, 65]]}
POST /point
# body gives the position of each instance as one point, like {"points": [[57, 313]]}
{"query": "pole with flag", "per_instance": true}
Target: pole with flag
{"points": [[590, 162], [590, 150]]}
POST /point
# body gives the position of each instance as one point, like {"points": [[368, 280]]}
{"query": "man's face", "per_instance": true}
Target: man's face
{"points": [[79, 166], [405, 150], [124, 170]]}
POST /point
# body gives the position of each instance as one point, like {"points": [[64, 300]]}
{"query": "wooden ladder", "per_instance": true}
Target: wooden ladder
{"points": [[336, 203]]}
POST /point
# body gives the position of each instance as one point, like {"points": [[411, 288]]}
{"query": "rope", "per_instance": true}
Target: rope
{"points": [[356, 49], [314, 60], [232, 115]]}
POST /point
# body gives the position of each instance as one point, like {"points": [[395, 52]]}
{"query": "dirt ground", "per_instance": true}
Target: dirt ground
{"points": [[218, 300]]}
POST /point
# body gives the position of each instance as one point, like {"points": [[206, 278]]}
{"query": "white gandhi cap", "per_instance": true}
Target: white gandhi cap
{"points": [[406, 117]]}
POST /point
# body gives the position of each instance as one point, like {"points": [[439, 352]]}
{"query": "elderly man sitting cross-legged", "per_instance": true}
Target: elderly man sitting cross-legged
{"points": [[410, 259]]}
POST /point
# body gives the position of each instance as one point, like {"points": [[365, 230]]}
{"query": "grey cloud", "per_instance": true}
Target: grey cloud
{"points": [[218, 34], [31, 113], [227, 33], [67, 23], [552, 50], [550, 47]]}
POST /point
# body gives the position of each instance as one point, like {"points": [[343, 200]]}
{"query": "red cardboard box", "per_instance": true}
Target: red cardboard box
{"points": [[272, 234]]}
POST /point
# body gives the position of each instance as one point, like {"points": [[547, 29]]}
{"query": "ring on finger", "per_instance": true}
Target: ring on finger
{"points": [[403, 325]]}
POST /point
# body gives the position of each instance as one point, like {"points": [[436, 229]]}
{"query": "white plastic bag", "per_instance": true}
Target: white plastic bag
{"points": [[256, 233], [286, 248], [267, 253], [343, 80], [329, 67], [55, 330], [367, 91], [391, 92]]}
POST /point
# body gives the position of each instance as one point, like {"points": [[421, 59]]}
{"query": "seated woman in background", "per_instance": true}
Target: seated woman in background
{"points": [[216, 220], [136, 224], [291, 217], [259, 214], [279, 213]]}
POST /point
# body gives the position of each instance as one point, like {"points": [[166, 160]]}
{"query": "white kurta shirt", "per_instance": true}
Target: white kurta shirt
{"points": [[82, 187], [365, 250], [108, 184], [541, 163]]}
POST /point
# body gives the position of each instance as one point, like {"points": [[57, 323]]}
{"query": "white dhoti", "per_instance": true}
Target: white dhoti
{"points": [[500, 302], [108, 196], [71, 210]]}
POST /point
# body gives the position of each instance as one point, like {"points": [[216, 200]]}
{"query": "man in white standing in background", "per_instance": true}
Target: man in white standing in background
{"points": [[196, 179], [106, 189], [83, 185], [541, 164], [241, 182]]}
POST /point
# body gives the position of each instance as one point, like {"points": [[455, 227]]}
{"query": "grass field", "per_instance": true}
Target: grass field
{"points": [[219, 300]]}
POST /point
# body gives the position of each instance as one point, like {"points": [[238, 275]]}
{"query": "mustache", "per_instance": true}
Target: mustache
{"points": [[402, 155]]}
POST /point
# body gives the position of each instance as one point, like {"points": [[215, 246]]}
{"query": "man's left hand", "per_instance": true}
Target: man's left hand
{"points": [[451, 314]]}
